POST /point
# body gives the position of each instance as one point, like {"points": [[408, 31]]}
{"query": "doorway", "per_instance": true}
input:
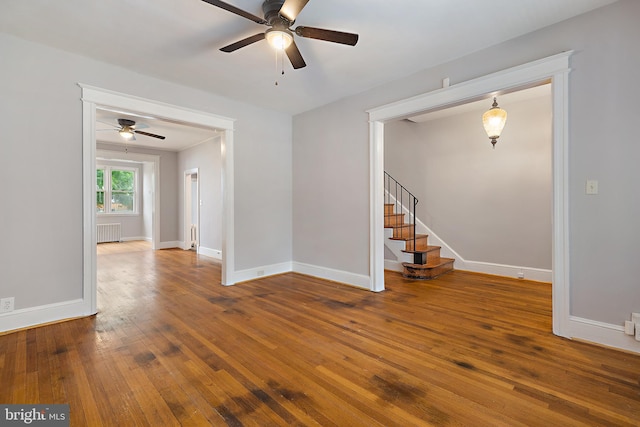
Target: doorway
{"points": [[191, 210], [92, 98], [554, 69]]}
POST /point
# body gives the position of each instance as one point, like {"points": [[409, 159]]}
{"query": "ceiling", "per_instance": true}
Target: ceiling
{"points": [[178, 40], [178, 136]]}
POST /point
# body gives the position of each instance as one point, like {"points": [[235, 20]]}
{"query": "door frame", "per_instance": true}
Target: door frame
{"points": [[188, 201], [554, 69], [93, 96]]}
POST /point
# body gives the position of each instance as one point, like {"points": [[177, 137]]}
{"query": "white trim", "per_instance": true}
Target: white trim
{"points": [[93, 96], [556, 68], [89, 238], [228, 213], [376, 209], [170, 244], [602, 333], [359, 280], [27, 317], [529, 273], [261, 272], [393, 265], [211, 253]]}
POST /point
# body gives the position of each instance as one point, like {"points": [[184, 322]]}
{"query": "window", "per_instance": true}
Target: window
{"points": [[116, 190]]}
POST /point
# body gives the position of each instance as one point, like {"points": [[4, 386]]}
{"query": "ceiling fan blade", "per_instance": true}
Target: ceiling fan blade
{"points": [[291, 8], [237, 11], [108, 124], [328, 35], [242, 43], [153, 135], [294, 55]]}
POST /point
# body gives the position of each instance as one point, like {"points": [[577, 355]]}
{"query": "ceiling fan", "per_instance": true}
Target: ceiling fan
{"points": [[280, 15], [128, 127]]}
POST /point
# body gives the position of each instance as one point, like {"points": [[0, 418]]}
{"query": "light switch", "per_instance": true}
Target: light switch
{"points": [[592, 186]]}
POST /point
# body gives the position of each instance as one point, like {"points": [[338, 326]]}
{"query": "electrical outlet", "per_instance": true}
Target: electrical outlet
{"points": [[591, 187], [6, 305]]}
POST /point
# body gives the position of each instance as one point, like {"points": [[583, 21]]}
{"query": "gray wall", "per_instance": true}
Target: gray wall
{"points": [[41, 118], [489, 205], [331, 163], [206, 157]]}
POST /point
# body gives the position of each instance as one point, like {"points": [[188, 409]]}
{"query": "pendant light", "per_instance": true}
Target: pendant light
{"points": [[494, 121]]}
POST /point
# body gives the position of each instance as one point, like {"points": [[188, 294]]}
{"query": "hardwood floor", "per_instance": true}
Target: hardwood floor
{"points": [[171, 346]]}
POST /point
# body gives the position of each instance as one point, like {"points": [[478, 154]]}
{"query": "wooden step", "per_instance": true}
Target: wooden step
{"points": [[389, 208], [393, 219], [429, 270], [430, 253], [402, 231]]}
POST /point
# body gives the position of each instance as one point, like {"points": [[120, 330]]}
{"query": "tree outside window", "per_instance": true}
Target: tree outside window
{"points": [[100, 191], [116, 190]]}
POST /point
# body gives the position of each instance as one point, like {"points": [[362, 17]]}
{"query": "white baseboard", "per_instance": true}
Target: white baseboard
{"points": [[32, 316], [535, 274], [213, 253], [529, 273], [170, 245], [601, 333], [358, 280], [393, 265], [260, 272], [131, 239]]}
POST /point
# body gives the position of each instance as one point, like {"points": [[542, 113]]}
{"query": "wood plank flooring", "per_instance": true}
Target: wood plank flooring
{"points": [[171, 346]]}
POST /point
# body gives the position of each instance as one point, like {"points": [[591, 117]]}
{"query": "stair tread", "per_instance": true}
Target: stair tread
{"points": [[423, 251], [406, 239], [432, 264]]}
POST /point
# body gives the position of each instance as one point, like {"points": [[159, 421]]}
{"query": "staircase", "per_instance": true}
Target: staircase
{"points": [[427, 263]]}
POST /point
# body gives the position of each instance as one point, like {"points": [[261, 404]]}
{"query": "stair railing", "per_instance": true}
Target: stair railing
{"points": [[397, 194]]}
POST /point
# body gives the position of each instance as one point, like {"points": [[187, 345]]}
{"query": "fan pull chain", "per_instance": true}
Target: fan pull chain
{"points": [[276, 67], [281, 64]]}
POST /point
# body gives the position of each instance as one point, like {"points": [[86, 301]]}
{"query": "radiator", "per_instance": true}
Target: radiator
{"points": [[108, 233], [194, 236]]}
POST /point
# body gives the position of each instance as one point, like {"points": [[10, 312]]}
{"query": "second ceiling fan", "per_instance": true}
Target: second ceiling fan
{"points": [[280, 15]]}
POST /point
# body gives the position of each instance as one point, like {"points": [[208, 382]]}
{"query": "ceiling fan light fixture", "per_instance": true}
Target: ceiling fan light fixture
{"points": [[279, 39], [126, 133]]}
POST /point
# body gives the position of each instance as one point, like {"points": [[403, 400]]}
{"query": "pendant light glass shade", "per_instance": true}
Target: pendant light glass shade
{"points": [[494, 121], [279, 39]]}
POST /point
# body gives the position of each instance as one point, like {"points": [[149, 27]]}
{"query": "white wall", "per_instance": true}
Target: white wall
{"points": [[331, 164], [41, 118], [206, 157], [489, 205]]}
